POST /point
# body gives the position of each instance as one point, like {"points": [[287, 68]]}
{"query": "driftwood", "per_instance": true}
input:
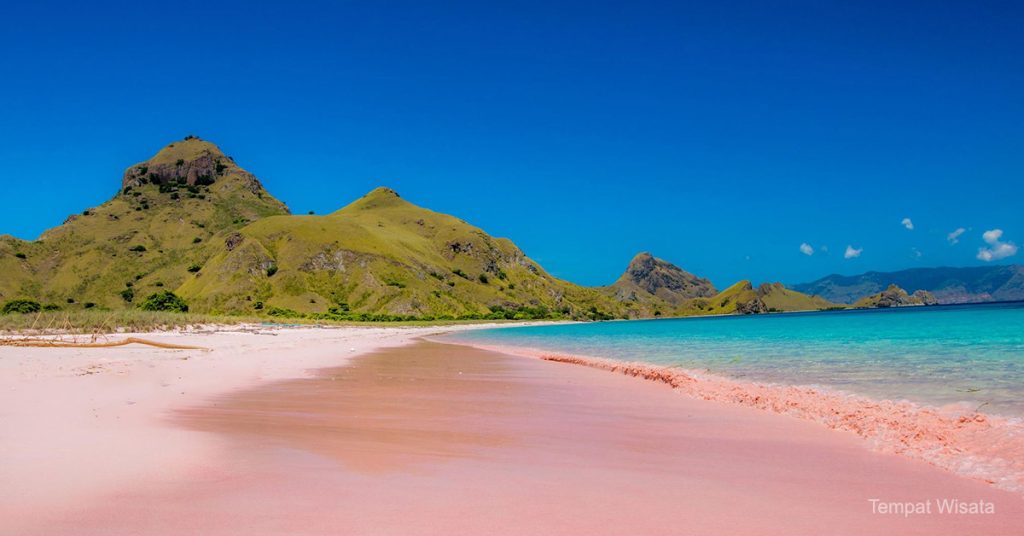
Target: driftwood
{"points": [[54, 343]]}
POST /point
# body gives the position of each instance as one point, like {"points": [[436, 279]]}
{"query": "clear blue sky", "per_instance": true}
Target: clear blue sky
{"points": [[718, 135]]}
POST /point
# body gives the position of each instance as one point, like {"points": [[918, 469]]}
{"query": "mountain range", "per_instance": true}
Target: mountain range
{"points": [[193, 222], [948, 285]]}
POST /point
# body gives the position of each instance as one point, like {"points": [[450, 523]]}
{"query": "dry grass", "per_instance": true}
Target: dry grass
{"points": [[138, 321]]}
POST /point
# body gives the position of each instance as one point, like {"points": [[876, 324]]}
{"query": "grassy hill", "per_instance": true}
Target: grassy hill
{"points": [[743, 298], [382, 255], [143, 240], [895, 296], [191, 221]]}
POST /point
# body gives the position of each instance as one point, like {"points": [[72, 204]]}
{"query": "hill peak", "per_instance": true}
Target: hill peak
{"points": [[379, 197], [192, 159], [662, 279]]}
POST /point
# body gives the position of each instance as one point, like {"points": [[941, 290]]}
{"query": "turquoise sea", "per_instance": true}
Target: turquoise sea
{"points": [[972, 355]]}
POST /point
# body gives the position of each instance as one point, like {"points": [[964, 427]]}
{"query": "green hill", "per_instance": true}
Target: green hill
{"points": [[382, 255], [894, 296], [144, 239], [743, 298], [191, 221]]}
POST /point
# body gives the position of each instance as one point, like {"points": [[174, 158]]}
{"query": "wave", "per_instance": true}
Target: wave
{"points": [[964, 441]]}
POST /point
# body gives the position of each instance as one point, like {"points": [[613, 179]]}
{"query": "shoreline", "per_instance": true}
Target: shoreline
{"points": [[84, 421], [326, 428], [970, 444]]}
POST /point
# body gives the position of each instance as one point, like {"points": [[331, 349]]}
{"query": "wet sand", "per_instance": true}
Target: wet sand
{"points": [[440, 439]]}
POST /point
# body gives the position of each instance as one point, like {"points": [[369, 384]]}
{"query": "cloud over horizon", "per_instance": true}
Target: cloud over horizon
{"points": [[997, 248], [806, 249], [852, 252], [954, 237]]}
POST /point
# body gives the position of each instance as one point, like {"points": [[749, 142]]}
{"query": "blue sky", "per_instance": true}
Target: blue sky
{"points": [[718, 135]]}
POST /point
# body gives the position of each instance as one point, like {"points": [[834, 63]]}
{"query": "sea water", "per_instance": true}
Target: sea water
{"points": [[966, 355]]}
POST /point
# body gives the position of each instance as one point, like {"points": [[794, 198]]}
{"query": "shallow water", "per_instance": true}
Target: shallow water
{"points": [[971, 355]]}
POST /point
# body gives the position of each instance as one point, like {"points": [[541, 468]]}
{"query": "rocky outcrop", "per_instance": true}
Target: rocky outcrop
{"points": [[755, 306], [894, 296], [647, 274]]}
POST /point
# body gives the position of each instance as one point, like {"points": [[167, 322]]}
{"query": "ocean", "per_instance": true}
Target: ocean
{"points": [[943, 384], [967, 355]]}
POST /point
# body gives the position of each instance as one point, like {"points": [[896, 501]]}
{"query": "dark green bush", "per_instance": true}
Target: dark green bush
{"points": [[139, 248], [194, 268], [271, 270], [128, 294], [483, 279], [20, 255], [164, 301], [284, 313], [21, 306]]}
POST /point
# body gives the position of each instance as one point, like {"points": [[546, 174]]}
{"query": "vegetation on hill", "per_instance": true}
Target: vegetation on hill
{"points": [[191, 231], [895, 296]]}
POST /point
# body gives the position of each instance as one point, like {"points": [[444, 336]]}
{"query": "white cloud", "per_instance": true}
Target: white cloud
{"points": [[997, 248], [954, 237], [852, 253], [806, 249], [908, 224]]}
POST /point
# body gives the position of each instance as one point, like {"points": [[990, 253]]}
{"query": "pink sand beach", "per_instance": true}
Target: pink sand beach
{"points": [[376, 431]]}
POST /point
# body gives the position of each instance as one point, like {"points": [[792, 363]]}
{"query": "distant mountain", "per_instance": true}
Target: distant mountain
{"points": [[649, 276], [948, 285], [895, 296]]}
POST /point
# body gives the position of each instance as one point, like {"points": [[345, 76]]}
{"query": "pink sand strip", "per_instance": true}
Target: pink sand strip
{"points": [[968, 443]]}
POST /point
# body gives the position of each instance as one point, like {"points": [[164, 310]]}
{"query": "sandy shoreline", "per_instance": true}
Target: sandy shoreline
{"points": [[80, 422], [422, 439], [969, 443]]}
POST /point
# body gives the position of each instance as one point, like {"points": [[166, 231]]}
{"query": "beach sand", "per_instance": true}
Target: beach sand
{"points": [[420, 437]]}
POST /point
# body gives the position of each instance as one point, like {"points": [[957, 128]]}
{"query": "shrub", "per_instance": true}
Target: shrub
{"points": [[51, 307], [194, 268], [258, 305], [164, 301], [284, 313], [88, 305], [398, 284], [460, 273], [271, 270], [483, 278], [180, 162], [128, 294], [20, 255], [71, 300], [138, 249], [21, 306]]}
